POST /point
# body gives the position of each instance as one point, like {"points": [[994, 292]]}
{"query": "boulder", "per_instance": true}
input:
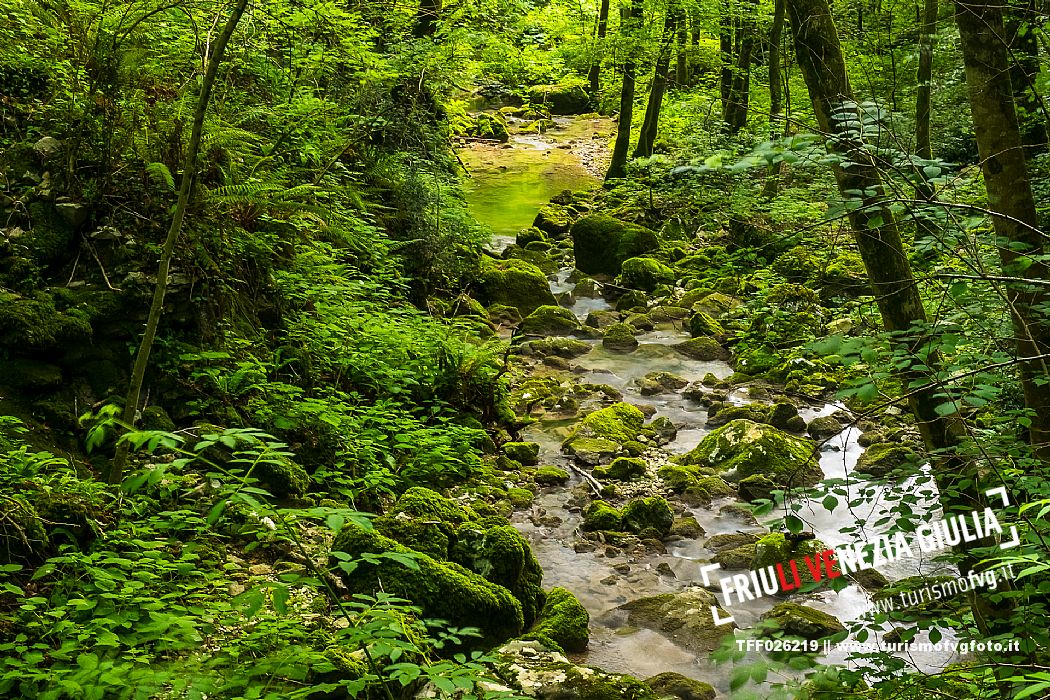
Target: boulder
{"points": [[745, 447], [675, 685], [515, 283], [554, 219], [567, 348], [683, 617], [601, 243], [633, 299], [525, 452], [648, 515], [883, 458], [550, 320], [599, 515], [619, 337], [824, 427], [645, 273], [546, 674], [703, 325], [660, 383], [622, 469], [702, 349], [550, 476], [561, 98], [563, 621], [756, 487], [802, 621]]}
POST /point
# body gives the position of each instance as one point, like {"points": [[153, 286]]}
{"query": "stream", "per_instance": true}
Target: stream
{"points": [[508, 184]]}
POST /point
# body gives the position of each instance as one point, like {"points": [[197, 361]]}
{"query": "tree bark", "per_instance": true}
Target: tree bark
{"points": [[595, 73], [651, 122], [738, 103], [924, 191], [622, 145], [427, 18], [189, 171], [1019, 241], [681, 76], [725, 52], [1024, 71], [776, 94]]}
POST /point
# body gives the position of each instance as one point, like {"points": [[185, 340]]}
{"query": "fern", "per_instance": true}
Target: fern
{"points": [[159, 173]]}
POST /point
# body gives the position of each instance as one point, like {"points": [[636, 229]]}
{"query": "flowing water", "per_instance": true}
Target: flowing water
{"points": [[508, 185]]}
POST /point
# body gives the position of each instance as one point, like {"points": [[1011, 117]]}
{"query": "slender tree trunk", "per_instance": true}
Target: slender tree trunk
{"points": [[1019, 240], [427, 18], [924, 191], [882, 250], [618, 162], [1024, 72], [189, 171], [735, 114], [776, 97], [594, 75], [725, 52], [681, 76], [651, 123]]}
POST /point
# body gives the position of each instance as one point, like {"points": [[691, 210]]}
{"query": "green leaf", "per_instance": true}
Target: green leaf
{"points": [[794, 523]]}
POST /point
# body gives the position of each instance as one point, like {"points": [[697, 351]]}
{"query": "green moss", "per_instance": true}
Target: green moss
{"points": [[622, 469], [599, 515], [443, 590], [23, 538], [554, 219], [550, 476], [884, 458], [679, 477], [426, 536], [715, 487], [501, 314], [491, 125], [748, 448], [619, 337], [687, 526], [569, 97], [726, 413], [634, 448], [677, 686], [601, 243], [632, 299], [732, 558], [653, 513], [803, 621], [502, 555], [420, 502], [282, 477], [156, 418], [756, 487], [550, 320], [526, 453], [799, 264], [660, 382], [620, 422], [514, 283], [520, 498], [703, 325], [702, 349], [776, 548], [35, 324], [568, 348], [564, 621], [592, 450], [717, 305], [645, 274]]}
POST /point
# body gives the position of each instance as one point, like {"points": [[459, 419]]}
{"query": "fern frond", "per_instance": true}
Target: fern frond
{"points": [[159, 173]]}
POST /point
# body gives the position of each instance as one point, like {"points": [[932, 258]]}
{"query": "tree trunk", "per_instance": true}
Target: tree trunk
{"points": [[1024, 72], [427, 18], [776, 96], [189, 171], [651, 123], [618, 162], [725, 52], [681, 76], [924, 191], [735, 114], [595, 73], [1019, 240]]}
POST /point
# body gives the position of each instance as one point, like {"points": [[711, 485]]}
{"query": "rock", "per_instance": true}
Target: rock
{"points": [[660, 383], [730, 540], [548, 675], [554, 219], [561, 98], [47, 148], [30, 375], [840, 326], [156, 418], [620, 422], [622, 469], [802, 621], [524, 452], [645, 274], [550, 476], [778, 548], [74, 214], [675, 685], [644, 514], [599, 515], [550, 320], [784, 415], [631, 300], [592, 451], [702, 325], [678, 477], [736, 557], [602, 319], [746, 448], [870, 580], [824, 427], [601, 243], [756, 487], [515, 283], [702, 349], [564, 622], [683, 617], [720, 414], [639, 321], [491, 125], [530, 235], [687, 527], [281, 476], [662, 429], [619, 337], [567, 348], [502, 315], [717, 305], [883, 458]]}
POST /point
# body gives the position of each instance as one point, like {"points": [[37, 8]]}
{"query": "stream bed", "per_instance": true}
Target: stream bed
{"points": [[508, 184]]}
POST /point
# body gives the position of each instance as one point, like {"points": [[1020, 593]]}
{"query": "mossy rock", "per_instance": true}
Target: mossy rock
{"points": [[632, 299], [619, 422], [601, 243], [715, 487], [703, 325], [30, 375], [619, 337], [156, 418], [23, 537], [756, 487], [491, 125], [824, 427], [503, 556], [430, 537], [622, 469], [503, 315], [884, 458], [568, 348], [777, 548], [550, 476], [550, 320], [662, 430], [421, 502], [799, 264], [667, 314], [717, 305], [282, 477], [587, 288], [530, 235], [592, 450], [444, 590], [675, 685], [515, 283], [525, 452], [645, 274], [640, 321], [734, 558], [561, 98], [601, 319], [688, 527], [683, 617], [599, 515], [731, 540], [660, 382], [32, 325], [652, 513], [746, 448], [679, 477], [554, 219], [520, 498], [721, 414], [870, 580], [784, 415], [802, 621], [564, 621], [702, 349]]}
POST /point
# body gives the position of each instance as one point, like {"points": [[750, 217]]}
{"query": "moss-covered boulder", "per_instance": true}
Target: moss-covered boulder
{"points": [[550, 476], [702, 349], [619, 422], [601, 243], [802, 621], [503, 315], [282, 477], [564, 622], [683, 617], [34, 325], [722, 413], [568, 348], [703, 325], [660, 383], [645, 273], [784, 415], [525, 452], [592, 451], [444, 590], [824, 427], [561, 98], [620, 337], [546, 674], [502, 555], [717, 305], [24, 537], [756, 487], [491, 125], [884, 458], [675, 685], [622, 469], [745, 447], [679, 477], [30, 375], [778, 548], [632, 300], [530, 235], [599, 515], [554, 220], [550, 320], [648, 515], [514, 283]]}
